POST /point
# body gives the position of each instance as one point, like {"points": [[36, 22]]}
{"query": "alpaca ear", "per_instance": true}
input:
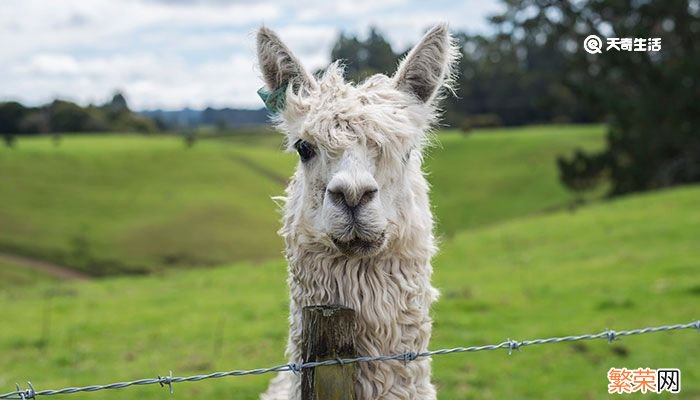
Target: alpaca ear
{"points": [[278, 64], [428, 66]]}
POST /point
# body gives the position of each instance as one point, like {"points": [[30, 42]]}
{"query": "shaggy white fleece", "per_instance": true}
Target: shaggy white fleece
{"points": [[367, 143]]}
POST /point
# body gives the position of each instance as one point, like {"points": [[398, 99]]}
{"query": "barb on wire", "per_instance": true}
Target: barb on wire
{"points": [[167, 380], [510, 345]]}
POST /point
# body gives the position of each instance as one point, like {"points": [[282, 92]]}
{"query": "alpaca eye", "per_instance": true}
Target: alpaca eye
{"points": [[305, 150]]}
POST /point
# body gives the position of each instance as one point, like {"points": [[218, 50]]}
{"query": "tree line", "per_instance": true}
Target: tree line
{"points": [[499, 81], [64, 116], [532, 68]]}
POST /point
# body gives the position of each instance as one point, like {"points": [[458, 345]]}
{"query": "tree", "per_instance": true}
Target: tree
{"points": [[11, 114], [512, 76], [68, 117], [36, 120], [367, 57], [62, 116], [502, 78], [118, 105], [650, 99]]}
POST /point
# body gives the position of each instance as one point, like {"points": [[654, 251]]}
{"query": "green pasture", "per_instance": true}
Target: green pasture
{"points": [[14, 274], [629, 263], [496, 175], [109, 204]]}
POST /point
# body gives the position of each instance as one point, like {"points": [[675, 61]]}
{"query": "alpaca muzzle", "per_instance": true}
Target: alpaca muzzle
{"points": [[358, 229], [358, 247]]}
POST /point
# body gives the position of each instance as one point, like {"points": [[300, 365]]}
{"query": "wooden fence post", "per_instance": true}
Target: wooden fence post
{"points": [[328, 333]]}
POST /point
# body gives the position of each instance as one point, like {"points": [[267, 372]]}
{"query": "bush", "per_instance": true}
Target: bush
{"points": [[134, 123], [11, 113], [66, 116]]}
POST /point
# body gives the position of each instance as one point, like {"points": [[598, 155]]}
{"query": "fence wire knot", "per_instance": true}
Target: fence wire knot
{"points": [[409, 356], [513, 345], [697, 325], [26, 393], [611, 335], [340, 361], [166, 380], [30, 392], [295, 368]]}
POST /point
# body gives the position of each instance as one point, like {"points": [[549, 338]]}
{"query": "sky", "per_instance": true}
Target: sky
{"points": [[171, 54]]}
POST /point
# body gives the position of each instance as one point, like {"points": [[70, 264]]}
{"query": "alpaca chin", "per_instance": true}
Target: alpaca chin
{"points": [[358, 247]]}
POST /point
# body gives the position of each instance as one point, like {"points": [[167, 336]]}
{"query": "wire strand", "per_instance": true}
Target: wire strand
{"points": [[405, 358]]}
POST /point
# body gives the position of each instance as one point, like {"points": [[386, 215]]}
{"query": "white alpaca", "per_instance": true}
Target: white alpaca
{"points": [[357, 222]]}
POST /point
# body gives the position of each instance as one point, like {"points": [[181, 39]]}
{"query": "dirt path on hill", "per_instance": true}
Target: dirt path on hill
{"points": [[52, 269], [262, 170]]}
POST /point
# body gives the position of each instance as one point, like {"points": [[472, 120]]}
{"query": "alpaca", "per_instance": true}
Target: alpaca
{"points": [[357, 223]]}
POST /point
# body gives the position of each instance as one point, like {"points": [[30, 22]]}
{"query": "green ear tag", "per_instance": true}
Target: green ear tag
{"points": [[275, 100]]}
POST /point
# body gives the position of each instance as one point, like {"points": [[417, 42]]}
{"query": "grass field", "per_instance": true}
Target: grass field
{"points": [[496, 175], [516, 262], [16, 274], [623, 264], [110, 204], [128, 204]]}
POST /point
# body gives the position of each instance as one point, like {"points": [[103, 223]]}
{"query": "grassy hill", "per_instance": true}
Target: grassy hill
{"points": [[110, 204], [496, 175], [623, 264], [13, 273]]}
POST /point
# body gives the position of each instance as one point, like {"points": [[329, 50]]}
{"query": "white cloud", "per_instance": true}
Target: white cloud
{"points": [[314, 11], [175, 53], [52, 64], [148, 81]]}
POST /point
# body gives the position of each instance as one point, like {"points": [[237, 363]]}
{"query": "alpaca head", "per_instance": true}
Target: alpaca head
{"points": [[359, 145]]}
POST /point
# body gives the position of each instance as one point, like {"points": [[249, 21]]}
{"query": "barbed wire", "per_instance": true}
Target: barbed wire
{"points": [[510, 345]]}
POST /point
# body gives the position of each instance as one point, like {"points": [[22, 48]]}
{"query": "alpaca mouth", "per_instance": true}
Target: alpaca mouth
{"points": [[359, 247]]}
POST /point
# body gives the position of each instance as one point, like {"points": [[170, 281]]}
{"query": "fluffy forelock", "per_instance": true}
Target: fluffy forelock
{"points": [[334, 114]]}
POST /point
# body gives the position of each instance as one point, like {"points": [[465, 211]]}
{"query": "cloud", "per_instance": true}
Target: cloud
{"points": [[147, 81], [196, 2], [176, 53]]}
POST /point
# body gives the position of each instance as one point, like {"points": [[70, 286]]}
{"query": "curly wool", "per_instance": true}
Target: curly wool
{"points": [[391, 291]]}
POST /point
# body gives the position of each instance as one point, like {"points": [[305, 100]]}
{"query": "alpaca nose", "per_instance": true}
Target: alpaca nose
{"points": [[350, 197]]}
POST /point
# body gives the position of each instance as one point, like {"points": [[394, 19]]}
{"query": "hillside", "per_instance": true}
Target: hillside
{"points": [[495, 175], [110, 204], [623, 264]]}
